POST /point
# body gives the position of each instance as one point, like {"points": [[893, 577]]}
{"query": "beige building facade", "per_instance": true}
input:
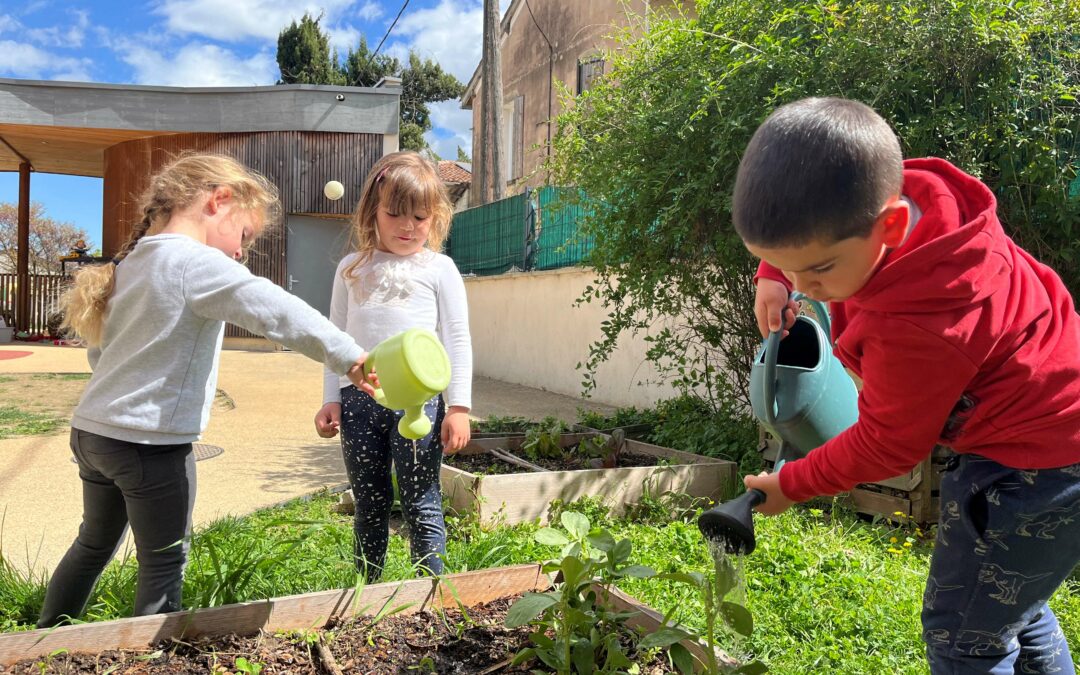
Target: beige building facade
{"points": [[543, 42]]}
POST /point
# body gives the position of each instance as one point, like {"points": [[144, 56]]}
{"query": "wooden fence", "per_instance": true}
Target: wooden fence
{"points": [[45, 290]]}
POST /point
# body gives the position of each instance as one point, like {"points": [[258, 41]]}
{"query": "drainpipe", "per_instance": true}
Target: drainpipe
{"points": [[551, 74]]}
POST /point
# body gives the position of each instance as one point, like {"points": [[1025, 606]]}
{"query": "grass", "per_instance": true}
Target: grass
{"points": [[826, 593], [16, 422], [38, 403]]}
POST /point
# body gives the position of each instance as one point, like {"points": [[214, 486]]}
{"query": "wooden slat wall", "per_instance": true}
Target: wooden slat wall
{"points": [[298, 163], [45, 290]]}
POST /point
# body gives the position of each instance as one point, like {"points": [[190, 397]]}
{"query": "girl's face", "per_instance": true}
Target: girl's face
{"points": [[402, 233]]}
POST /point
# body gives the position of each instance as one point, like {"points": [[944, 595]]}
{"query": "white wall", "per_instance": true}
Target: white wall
{"points": [[526, 330]]}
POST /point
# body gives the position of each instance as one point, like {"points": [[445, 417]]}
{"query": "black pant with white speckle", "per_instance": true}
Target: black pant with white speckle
{"points": [[370, 442]]}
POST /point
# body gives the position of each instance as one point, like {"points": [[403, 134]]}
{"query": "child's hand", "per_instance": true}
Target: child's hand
{"points": [[769, 483], [328, 420], [771, 299], [455, 430], [368, 384]]}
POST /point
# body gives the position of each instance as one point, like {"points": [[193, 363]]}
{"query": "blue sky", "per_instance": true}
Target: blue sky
{"points": [[213, 43]]}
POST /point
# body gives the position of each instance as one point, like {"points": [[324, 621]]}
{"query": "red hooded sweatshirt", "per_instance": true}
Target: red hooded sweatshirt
{"points": [[961, 338]]}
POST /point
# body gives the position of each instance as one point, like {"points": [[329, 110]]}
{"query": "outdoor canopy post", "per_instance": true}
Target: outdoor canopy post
{"points": [[22, 297]]}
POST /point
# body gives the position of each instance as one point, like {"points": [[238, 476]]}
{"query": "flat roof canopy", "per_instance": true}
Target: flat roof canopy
{"points": [[65, 127]]}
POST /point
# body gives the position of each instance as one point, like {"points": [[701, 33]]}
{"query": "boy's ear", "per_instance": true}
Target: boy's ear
{"points": [[894, 221]]}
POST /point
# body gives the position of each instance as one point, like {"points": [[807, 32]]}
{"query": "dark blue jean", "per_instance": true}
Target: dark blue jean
{"points": [[370, 442], [152, 487], [1006, 540]]}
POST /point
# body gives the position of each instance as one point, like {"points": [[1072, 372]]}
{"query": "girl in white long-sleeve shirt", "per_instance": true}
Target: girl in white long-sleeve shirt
{"points": [[396, 280]]}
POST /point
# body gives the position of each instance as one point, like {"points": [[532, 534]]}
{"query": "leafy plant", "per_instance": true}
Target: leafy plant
{"points": [[249, 667], [622, 417], [588, 637], [596, 509], [692, 424], [714, 590], [497, 424], [605, 453], [543, 441]]}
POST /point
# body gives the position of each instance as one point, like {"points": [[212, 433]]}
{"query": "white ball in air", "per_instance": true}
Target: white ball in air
{"points": [[333, 190]]}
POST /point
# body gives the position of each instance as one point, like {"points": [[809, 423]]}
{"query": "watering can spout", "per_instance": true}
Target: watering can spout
{"points": [[412, 367]]}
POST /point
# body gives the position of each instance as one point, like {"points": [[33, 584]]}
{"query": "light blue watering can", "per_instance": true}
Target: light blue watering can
{"points": [[799, 390], [800, 393]]}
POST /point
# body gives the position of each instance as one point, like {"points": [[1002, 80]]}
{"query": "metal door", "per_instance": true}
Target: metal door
{"points": [[314, 246]]}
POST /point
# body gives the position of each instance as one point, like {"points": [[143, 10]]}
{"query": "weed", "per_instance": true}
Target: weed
{"points": [[249, 667]]}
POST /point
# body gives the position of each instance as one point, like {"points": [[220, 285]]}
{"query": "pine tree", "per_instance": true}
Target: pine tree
{"points": [[303, 55]]}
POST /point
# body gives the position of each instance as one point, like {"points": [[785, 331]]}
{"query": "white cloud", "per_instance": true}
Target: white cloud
{"points": [[199, 65], [8, 23], [370, 11], [62, 36], [450, 118], [24, 60], [450, 33], [238, 20], [342, 38]]}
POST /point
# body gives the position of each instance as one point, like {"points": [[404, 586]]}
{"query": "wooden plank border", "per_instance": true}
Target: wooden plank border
{"points": [[523, 497], [287, 613]]}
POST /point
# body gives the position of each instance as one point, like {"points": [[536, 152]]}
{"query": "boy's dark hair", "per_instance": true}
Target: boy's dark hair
{"points": [[816, 169]]}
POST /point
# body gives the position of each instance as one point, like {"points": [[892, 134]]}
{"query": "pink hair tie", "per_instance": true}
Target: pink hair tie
{"points": [[381, 174]]}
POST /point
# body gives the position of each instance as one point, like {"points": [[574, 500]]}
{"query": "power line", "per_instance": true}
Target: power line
{"points": [[388, 31], [538, 25]]}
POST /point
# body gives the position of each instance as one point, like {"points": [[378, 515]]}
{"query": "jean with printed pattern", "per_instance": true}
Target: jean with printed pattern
{"points": [[1006, 540]]}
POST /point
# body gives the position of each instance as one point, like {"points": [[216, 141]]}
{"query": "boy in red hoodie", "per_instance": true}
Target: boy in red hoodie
{"points": [[960, 338]]}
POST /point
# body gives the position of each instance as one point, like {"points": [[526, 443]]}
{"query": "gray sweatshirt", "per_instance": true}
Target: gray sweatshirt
{"points": [[155, 374]]}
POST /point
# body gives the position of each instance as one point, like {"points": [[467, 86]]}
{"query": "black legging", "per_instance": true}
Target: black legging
{"points": [[150, 486]]}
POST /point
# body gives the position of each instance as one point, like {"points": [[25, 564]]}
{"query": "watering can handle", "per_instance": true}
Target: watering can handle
{"points": [[772, 349]]}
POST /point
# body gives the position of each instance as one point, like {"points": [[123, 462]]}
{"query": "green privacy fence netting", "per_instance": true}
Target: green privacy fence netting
{"points": [[535, 230], [490, 239], [559, 242]]}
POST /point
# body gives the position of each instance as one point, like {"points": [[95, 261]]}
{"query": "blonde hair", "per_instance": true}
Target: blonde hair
{"points": [[403, 182], [175, 187]]}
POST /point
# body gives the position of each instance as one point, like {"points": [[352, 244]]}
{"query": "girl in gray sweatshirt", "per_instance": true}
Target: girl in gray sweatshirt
{"points": [[153, 321]]}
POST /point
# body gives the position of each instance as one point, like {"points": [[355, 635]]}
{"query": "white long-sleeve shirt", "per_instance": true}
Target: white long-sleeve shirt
{"points": [[390, 294], [155, 373]]}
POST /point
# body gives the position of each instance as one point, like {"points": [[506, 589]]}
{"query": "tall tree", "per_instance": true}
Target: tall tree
{"points": [[303, 54], [49, 239], [304, 57]]}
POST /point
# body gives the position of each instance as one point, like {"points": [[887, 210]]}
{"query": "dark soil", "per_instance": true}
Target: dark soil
{"points": [[421, 643], [486, 464]]}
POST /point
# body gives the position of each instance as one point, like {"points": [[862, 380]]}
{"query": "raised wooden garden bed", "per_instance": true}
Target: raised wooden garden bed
{"points": [[524, 496], [217, 639], [914, 494]]}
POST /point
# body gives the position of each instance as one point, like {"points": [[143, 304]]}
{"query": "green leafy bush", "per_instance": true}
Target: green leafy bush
{"points": [[991, 85]]}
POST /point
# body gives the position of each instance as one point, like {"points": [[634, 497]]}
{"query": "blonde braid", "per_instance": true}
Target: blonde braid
{"points": [[85, 301]]}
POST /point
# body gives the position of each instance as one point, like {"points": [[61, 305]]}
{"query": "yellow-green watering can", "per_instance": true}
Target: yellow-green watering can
{"points": [[412, 368]]}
